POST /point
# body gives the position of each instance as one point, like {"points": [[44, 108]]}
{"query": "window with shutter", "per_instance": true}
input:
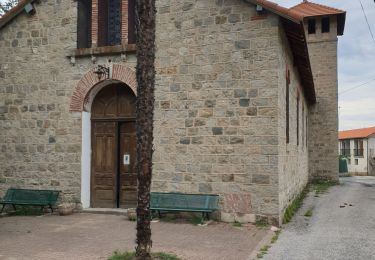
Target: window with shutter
{"points": [[105, 23], [84, 24], [131, 21], [114, 22]]}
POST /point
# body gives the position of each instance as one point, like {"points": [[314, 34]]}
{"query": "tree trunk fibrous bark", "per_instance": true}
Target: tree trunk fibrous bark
{"points": [[145, 31]]}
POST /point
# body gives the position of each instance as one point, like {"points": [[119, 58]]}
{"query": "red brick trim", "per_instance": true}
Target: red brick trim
{"points": [[94, 23], [124, 21], [90, 80]]}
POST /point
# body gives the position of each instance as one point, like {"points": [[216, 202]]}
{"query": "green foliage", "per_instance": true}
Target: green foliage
{"points": [[6, 5], [237, 224], [321, 186], [261, 223], [309, 212], [27, 211], [195, 220], [294, 206], [263, 251], [275, 237], [131, 256]]}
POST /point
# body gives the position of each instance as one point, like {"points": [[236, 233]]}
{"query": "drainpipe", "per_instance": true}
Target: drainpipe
{"points": [[367, 158]]}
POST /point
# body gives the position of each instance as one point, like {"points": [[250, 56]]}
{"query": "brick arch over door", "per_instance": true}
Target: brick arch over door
{"points": [[90, 80]]}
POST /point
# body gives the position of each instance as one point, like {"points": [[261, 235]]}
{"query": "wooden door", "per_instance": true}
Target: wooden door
{"points": [[104, 170], [113, 184], [128, 176]]}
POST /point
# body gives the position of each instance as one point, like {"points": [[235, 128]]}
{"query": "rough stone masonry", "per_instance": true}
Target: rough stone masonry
{"points": [[220, 116]]}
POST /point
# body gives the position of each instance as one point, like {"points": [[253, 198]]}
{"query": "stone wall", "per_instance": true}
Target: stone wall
{"points": [[220, 111], [293, 157], [323, 117], [40, 139], [217, 99]]}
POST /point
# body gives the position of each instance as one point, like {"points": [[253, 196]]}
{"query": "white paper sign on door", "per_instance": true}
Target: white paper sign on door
{"points": [[126, 159]]}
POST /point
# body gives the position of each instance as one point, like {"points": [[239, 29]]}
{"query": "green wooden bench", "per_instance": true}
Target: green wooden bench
{"points": [[40, 198], [180, 202]]}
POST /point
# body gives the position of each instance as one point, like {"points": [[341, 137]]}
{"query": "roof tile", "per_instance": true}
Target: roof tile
{"points": [[357, 133]]}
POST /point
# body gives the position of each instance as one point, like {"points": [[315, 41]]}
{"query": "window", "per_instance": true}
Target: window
{"points": [[109, 23], [358, 147], [105, 23], [84, 24], [297, 118], [311, 26], [356, 161], [287, 106], [345, 147], [325, 24], [131, 21]]}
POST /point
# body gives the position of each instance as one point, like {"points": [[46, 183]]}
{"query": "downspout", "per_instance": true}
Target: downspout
{"points": [[367, 158]]}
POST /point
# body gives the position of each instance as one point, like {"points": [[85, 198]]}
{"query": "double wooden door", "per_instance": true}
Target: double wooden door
{"points": [[113, 173], [114, 179]]}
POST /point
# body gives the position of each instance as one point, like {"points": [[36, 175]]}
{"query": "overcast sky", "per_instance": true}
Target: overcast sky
{"points": [[356, 62]]}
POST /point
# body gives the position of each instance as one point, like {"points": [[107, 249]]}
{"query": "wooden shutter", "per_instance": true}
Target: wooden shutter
{"points": [[131, 22], [84, 24], [102, 22]]}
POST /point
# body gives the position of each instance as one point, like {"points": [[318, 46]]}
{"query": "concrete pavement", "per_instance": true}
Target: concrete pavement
{"points": [[96, 236], [336, 230]]}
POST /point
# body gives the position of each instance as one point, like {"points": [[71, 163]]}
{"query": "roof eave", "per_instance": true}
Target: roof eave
{"points": [[12, 13]]}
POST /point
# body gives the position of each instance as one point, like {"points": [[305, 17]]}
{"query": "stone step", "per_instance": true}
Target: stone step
{"points": [[110, 211]]}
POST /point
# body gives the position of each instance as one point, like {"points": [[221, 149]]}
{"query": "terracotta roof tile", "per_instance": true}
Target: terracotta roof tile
{"points": [[357, 133], [308, 9]]}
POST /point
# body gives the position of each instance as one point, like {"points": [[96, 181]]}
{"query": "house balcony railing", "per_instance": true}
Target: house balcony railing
{"points": [[358, 152], [345, 152]]}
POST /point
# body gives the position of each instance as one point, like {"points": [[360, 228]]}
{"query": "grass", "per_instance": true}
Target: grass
{"points": [[261, 223], [321, 186], [263, 251], [195, 220], [237, 224], [131, 256], [275, 237], [309, 212], [294, 206]]}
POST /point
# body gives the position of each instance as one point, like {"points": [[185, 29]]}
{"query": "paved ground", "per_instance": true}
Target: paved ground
{"points": [[333, 232], [96, 236]]}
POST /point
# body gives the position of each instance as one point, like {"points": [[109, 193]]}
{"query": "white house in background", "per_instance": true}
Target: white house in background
{"points": [[358, 145]]}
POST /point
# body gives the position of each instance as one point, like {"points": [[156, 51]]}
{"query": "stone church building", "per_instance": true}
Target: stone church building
{"points": [[246, 101]]}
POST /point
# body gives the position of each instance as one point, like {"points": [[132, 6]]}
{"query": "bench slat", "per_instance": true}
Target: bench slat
{"points": [[184, 202], [30, 197]]}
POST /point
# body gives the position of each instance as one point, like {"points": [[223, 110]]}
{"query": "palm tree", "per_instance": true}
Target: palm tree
{"points": [[145, 28]]}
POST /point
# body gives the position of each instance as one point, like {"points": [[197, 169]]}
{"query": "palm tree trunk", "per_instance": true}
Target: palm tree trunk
{"points": [[145, 28]]}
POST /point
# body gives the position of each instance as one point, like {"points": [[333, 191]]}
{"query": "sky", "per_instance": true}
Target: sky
{"points": [[356, 62]]}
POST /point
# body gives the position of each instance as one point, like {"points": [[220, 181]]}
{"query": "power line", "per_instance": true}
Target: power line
{"points": [[368, 24], [360, 85]]}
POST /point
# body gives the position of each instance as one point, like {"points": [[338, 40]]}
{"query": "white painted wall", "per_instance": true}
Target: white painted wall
{"points": [[371, 155], [361, 168], [86, 159]]}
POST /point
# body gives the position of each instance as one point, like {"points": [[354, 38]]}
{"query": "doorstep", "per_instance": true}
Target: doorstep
{"points": [[105, 211]]}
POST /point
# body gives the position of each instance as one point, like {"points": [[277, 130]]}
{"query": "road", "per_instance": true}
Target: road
{"points": [[335, 230]]}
